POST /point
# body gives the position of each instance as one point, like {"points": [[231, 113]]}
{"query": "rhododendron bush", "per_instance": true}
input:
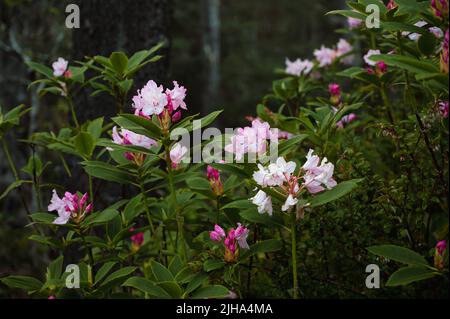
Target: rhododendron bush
{"points": [[344, 164]]}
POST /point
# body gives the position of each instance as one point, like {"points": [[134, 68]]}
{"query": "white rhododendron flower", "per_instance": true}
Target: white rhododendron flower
{"points": [[150, 100], [264, 202]]}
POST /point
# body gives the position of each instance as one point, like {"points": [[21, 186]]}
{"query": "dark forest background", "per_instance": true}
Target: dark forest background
{"points": [[224, 52]]}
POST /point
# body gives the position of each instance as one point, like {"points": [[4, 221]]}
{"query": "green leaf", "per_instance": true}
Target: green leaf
{"points": [[426, 43], [119, 274], [94, 128], [54, 270], [407, 63], [213, 264], [198, 183], [104, 270], [43, 218], [84, 144], [22, 282], [160, 272], [101, 217], [119, 62], [214, 291], [40, 68], [400, 254], [176, 265], [12, 186], [205, 121], [407, 275], [138, 125], [133, 208], [146, 286], [172, 288], [291, 144], [107, 172], [196, 282], [265, 246], [337, 192]]}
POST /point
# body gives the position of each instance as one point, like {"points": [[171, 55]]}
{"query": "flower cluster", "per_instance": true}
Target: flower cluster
{"points": [[250, 139], [326, 56], [298, 67], [235, 238], [314, 175], [69, 206], [153, 100], [213, 176], [127, 137]]}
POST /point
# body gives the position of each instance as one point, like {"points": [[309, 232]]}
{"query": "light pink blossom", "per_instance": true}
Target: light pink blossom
{"points": [[176, 96], [177, 154], [150, 99], [325, 56], [343, 48], [59, 67], [69, 206], [298, 67], [354, 23]]}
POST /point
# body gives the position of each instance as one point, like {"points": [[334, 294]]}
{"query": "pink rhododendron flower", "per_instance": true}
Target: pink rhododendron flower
{"points": [[443, 108], [235, 238], [69, 206], [325, 56], [316, 176], [177, 154], [346, 119], [126, 137], [343, 48], [440, 8], [298, 67], [354, 23], [60, 67], [51, 297], [369, 54], [176, 96], [250, 139], [150, 99]]}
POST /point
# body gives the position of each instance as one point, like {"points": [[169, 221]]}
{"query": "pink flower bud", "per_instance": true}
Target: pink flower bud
{"points": [[219, 230], [51, 297], [441, 247], [334, 89], [212, 173], [84, 199], [391, 5], [381, 67], [176, 117], [215, 236], [68, 74], [88, 208]]}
